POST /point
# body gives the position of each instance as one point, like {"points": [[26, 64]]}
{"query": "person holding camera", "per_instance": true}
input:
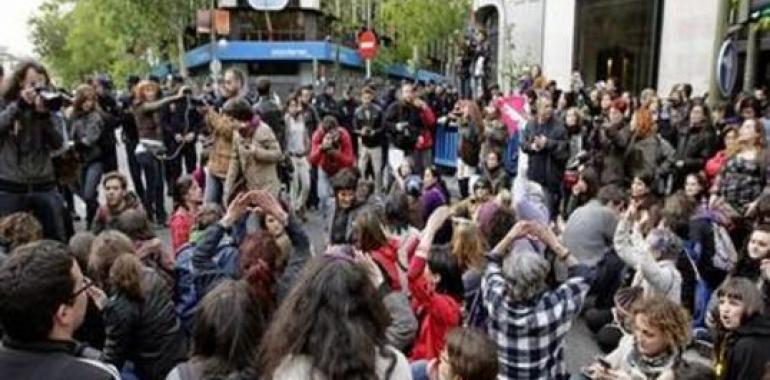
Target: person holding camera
{"points": [[367, 124], [151, 151], [403, 122], [28, 136], [331, 151], [181, 123]]}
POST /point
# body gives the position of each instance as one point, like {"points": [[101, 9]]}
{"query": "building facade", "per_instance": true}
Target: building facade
{"points": [[641, 43]]}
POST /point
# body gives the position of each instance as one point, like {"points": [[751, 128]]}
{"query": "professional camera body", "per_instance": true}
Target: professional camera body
{"points": [[53, 99]]}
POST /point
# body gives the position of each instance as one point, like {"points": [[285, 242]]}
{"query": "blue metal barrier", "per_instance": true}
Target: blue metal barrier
{"points": [[445, 149]]}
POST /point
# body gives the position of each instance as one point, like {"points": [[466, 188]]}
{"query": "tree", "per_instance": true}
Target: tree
{"points": [[77, 38]]}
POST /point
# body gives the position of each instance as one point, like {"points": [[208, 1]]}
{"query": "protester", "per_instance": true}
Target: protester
{"points": [[181, 124], [609, 140], [256, 153], [28, 136], [187, 199], [139, 317], [404, 125], [743, 333], [43, 297], [495, 174], [695, 143], [229, 326], [269, 111], [661, 334], [345, 207], [332, 326], [528, 322], [469, 354], [16, 230], [118, 200], [470, 129]]}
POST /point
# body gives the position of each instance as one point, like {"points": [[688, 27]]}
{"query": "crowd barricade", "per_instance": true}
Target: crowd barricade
{"points": [[445, 148]]}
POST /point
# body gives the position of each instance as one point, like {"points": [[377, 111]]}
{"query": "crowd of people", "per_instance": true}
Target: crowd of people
{"points": [[646, 217]]}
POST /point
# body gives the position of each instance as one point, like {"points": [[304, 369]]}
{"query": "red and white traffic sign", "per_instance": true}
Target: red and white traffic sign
{"points": [[367, 44]]}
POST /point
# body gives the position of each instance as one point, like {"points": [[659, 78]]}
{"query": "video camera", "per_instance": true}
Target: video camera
{"points": [[53, 99]]}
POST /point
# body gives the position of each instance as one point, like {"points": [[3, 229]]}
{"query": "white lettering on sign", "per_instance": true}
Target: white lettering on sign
{"points": [[367, 45], [289, 53]]}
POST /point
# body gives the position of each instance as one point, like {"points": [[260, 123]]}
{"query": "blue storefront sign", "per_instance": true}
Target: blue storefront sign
{"points": [[306, 51]]}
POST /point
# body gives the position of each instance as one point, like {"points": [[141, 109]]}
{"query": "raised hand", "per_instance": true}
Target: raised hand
{"points": [[268, 204]]}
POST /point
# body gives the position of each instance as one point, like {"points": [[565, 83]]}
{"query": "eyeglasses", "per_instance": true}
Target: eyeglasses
{"points": [[87, 283]]}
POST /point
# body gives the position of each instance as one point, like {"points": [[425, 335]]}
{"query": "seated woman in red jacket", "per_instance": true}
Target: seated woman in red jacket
{"points": [[435, 282], [187, 198]]}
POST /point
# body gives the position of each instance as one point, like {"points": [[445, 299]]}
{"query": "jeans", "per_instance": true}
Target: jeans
{"points": [[89, 189], [46, 206], [215, 188], [187, 155], [134, 169], [153, 177], [300, 182], [420, 370], [374, 156], [325, 197]]}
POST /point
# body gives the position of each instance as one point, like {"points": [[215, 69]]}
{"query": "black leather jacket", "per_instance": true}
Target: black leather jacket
{"points": [[50, 360], [367, 123], [147, 333]]}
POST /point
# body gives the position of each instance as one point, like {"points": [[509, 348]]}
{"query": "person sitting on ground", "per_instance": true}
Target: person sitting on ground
{"points": [[527, 320], [188, 196], [139, 317], [482, 193], [146, 245], [742, 346], [16, 230], [229, 326], [661, 334], [43, 297], [91, 331], [333, 325], [345, 207], [653, 258], [436, 287], [119, 200], [494, 173], [469, 355]]}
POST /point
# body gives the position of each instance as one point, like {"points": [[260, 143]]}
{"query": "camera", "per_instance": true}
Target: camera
{"points": [[401, 126], [53, 99]]}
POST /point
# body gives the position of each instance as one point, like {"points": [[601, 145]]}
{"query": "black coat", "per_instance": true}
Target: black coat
{"points": [[367, 123], [694, 147], [50, 360], [327, 106], [546, 166], [146, 333], [747, 350], [403, 138]]}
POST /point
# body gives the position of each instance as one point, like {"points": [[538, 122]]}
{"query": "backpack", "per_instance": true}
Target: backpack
{"points": [[725, 254]]}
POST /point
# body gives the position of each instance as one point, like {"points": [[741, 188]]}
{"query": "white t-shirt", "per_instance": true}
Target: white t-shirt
{"points": [[299, 367]]}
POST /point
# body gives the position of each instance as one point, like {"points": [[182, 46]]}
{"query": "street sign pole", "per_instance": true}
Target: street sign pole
{"points": [[368, 68]]}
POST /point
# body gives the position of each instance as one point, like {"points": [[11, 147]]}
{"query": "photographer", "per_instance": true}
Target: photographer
{"points": [[367, 124], [28, 136], [403, 122], [181, 123], [151, 151], [331, 151]]}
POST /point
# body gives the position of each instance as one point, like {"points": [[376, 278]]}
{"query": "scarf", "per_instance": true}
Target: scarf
{"points": [[651, 368]]}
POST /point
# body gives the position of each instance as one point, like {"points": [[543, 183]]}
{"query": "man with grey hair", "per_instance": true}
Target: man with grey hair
{"points": [[527, 320]]}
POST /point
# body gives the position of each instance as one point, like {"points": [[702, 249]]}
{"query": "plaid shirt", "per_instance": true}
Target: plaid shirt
{"points": [[741, 182], [529, 335]]}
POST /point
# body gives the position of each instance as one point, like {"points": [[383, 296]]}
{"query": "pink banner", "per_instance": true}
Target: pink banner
{"points": [[512, 112]]}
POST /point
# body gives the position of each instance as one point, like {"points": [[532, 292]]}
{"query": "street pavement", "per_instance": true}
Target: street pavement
{"points": [[580, 347]]}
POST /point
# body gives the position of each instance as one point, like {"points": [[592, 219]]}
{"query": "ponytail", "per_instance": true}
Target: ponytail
{"points": [[125, 275]]}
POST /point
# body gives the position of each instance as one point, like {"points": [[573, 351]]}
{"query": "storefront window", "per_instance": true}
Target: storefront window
{"points": [[620, 39]]}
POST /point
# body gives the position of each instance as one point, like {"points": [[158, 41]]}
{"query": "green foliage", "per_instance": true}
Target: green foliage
{"points": [[421, 22], [77, 38]]}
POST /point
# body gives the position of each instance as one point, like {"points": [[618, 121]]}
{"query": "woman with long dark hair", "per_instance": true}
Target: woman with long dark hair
{"points": [[332, 327], [225, 344], [188, 196]]}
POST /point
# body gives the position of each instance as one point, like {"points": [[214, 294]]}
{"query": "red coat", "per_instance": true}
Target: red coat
{"points": [[425, 141], [715, 164], [437, 314], [181, 225], [387, 258], [333, 161]]}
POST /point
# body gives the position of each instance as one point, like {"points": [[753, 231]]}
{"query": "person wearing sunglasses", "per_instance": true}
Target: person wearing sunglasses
{"points": [[43, 298]]}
